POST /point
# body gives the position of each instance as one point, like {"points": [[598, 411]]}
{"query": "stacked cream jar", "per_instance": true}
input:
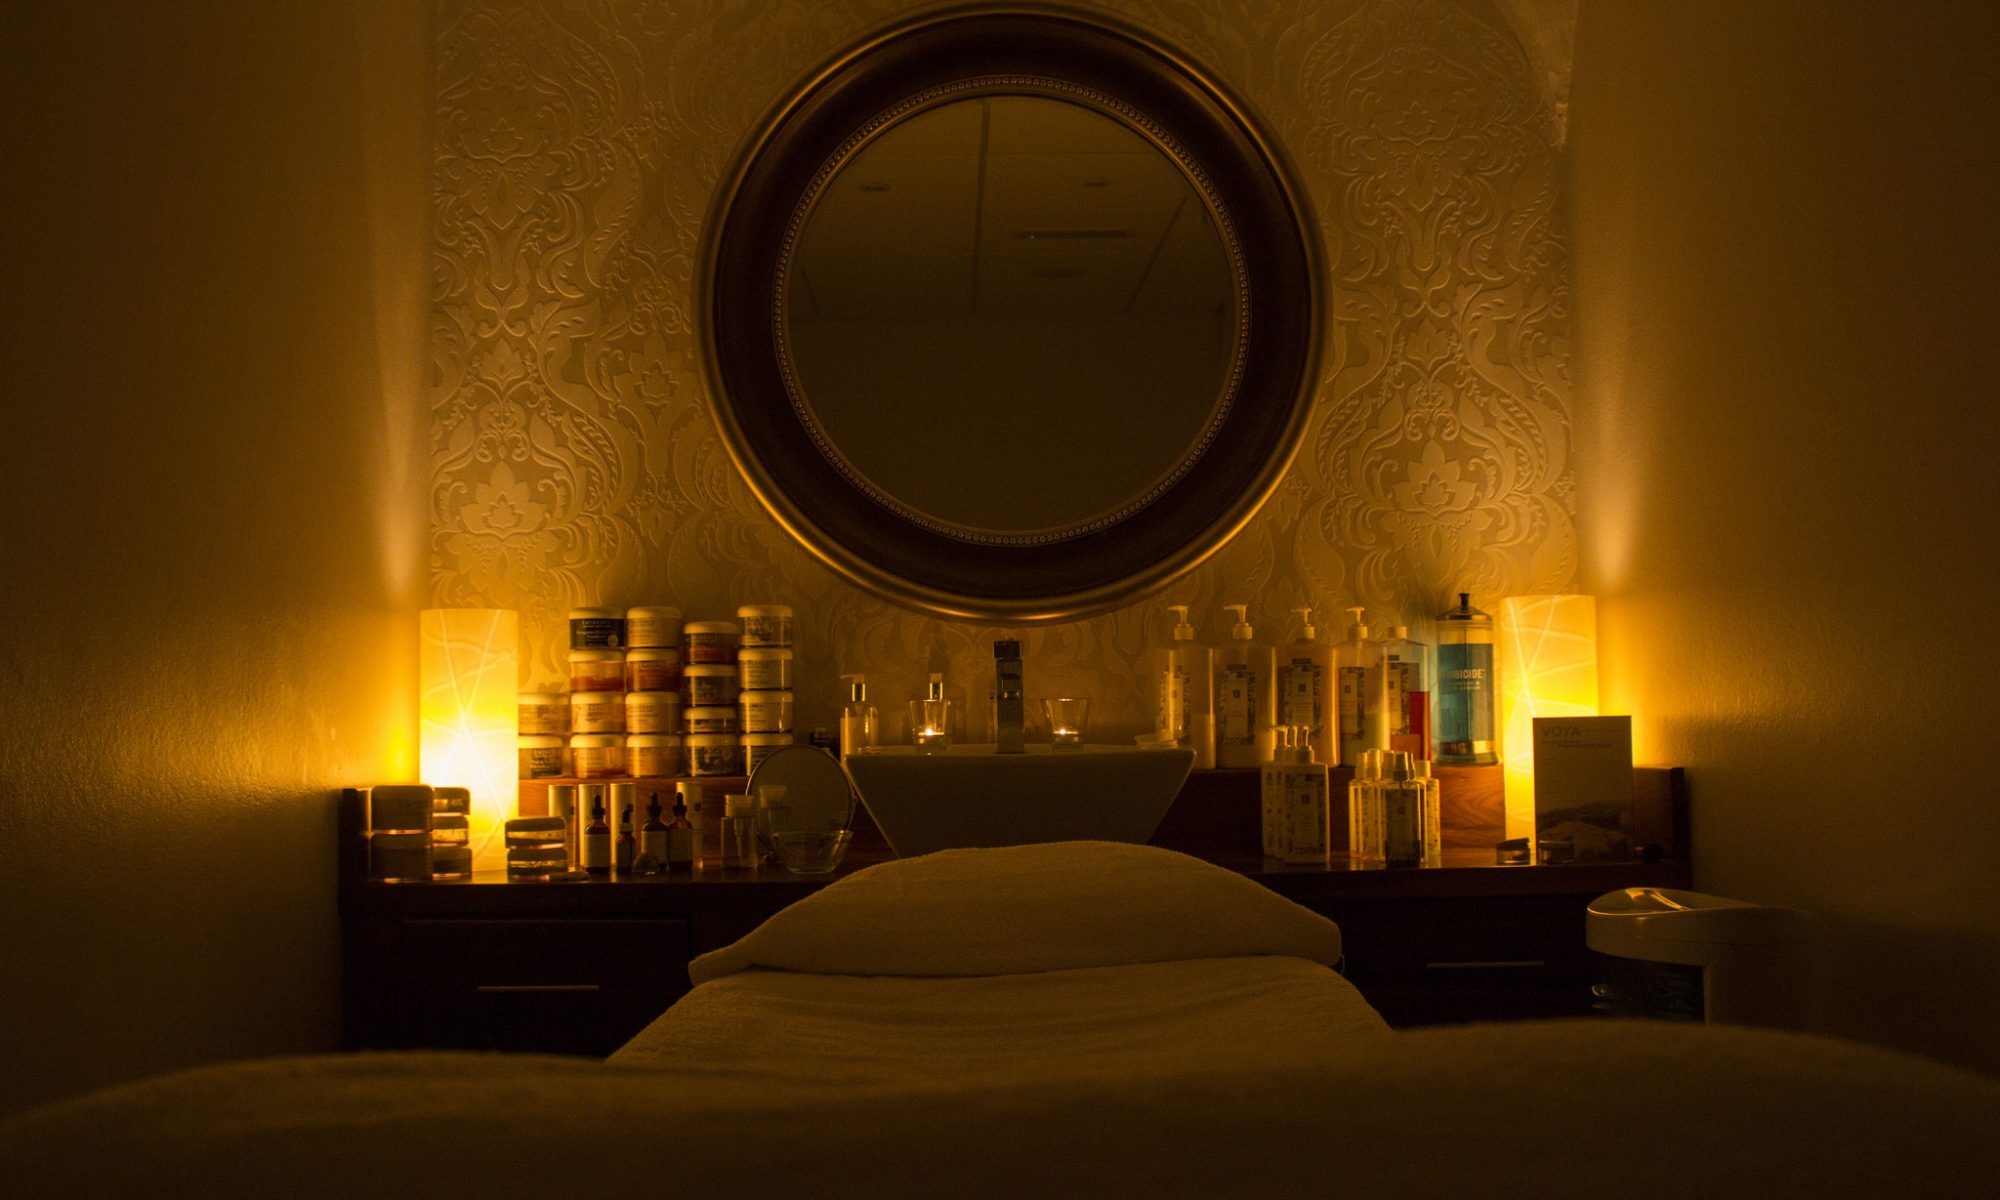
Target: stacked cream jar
{"points": [[713, 726], [764, 677], [653, 679]]}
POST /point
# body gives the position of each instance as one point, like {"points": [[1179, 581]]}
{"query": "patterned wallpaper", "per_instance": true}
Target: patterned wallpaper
{"points": [[574, 459]]}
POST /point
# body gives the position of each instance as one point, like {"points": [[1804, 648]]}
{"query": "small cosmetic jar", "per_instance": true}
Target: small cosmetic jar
{"points": [[456, 800], [596, 629], [652, 712], [541, 755], [764, 670], [597, 712], [714, 719], [712, 754], [653, 670], [654, 755], [596, 755], [766, 625], [766, 712], [451, 862], [710, 641], [759, 746], [596, 671], [540, 833], [711, 684], [450, 829], [654, 626], [399, 857], [537, 862], [543, 712], [401, 808]]}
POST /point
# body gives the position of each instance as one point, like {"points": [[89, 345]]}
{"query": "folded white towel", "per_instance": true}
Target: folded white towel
{"points": [[1017, 909]]}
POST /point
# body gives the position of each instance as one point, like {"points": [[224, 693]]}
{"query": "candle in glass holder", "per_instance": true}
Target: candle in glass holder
{"points": [[1067, 717]]}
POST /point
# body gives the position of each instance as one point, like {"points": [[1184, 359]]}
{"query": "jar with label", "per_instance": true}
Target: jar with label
{"points": [[764, 670], [597, 712], [711, 685], [399, 857], [450, 799], [596, 755], [596, 671], [652, 712], [654, 755], [653, 670], [596, 629], [759, 746], [543, 712], [542, 755], [766, 625], [653, 626], [401, 807], [713, 719], [766, 712], [710, 641], [711, 754]]}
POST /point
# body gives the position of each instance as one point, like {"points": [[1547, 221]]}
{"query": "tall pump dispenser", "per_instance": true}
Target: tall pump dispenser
{"points": [[1244, 696], [1466, 693], [1360, 697], [859, 733], [1403, 803], [1406, 676], [1009, 701], [1184, 676], [1305, 690]]}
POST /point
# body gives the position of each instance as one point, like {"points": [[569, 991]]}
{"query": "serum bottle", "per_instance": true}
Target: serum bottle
{"points": [[680, 834], [1243, 696], [597, 841]]}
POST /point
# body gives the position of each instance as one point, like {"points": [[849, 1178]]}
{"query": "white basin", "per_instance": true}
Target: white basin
{"points": [[972, 796]]}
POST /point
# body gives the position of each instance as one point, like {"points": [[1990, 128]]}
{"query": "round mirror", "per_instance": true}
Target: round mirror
{"points": [[1012, 316]]}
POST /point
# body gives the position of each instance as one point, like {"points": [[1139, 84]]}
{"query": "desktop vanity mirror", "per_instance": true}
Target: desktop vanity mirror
{"points": [[1011, 315]]}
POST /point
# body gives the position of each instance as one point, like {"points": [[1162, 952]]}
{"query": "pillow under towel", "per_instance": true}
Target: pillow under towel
{"points": [[1014, 910]]}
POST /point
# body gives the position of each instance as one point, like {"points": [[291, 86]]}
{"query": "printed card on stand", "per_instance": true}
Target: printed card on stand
{"points": [[1584, 807]]}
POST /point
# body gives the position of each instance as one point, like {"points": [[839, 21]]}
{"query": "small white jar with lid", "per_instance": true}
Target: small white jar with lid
{"points": [[766, 625], [710, 641], [597, 712], [759, 746], [596, 755], [654, 755], [543, 755], [711, 684], [653, 670], [653, 626], [652, 712], [543, 712], [711, 754], [766, 712], [764, 669], [596, 629], [719, 718], [597, 671]]}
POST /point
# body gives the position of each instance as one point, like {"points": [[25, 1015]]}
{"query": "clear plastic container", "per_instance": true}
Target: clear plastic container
{"points": [[761, 669], [655, 755], [1467, 695], [596, 755], [653, 670], [710, 641], [711, 754], [652, 712], [597, 712], [759, 746], [766, 712], [543, 712], [652, 626], [767, 625], [714, 719], [712, 685], [596, 671]]}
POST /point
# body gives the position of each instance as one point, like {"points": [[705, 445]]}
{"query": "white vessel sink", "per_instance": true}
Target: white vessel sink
{"points": [[972, 796]]}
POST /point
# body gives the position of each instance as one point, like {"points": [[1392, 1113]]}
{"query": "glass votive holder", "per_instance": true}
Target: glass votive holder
{"points": [[930, 725], [1067, 716]]}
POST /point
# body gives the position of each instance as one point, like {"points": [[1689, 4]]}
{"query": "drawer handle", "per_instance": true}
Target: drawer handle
{"points": [[537, 987], [1502, 964]]}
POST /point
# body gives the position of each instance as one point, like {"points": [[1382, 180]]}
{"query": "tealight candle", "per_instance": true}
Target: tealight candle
{"points": [[1067, 717]]}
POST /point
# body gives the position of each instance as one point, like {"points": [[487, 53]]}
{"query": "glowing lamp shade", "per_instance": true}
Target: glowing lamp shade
{"points": [[1548, 668], [469, 713]]}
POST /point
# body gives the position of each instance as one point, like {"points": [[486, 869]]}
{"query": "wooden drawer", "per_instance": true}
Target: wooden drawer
{"points": [[1432, 961], [569, 986]]}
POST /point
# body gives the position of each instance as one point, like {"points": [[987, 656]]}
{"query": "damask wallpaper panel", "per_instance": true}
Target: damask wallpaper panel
{"points": [[579, 145]]}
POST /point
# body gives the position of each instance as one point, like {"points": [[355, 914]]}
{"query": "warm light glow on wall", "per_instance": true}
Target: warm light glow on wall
{"points": [[1548, 668], [468, 714]]}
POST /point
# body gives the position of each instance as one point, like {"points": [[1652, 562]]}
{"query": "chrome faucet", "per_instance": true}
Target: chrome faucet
{"points": [[1009, 720]]}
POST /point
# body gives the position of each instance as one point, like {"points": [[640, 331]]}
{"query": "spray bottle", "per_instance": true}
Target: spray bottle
{"points": [[1243, 696], [1305, 690], [1185, 685], [1361, 701]]}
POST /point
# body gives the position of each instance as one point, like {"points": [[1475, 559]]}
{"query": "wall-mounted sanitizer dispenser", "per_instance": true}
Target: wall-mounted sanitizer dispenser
{"points": [[1675, 955]]}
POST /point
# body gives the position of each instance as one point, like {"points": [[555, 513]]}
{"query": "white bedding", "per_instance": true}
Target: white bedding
{"points": [[1198, 1046]]}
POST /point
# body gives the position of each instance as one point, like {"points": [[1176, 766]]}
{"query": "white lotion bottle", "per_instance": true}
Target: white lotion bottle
{"points": [[1360, 698], [1186, 687], [1243, 696], [1305, 691], [1295, 801]]}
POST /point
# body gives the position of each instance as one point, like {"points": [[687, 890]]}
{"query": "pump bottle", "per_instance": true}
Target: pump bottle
{"points": [[1244, 696], [1403, 803], [1186, 686], [1406, 674], [1305, 690], [1295, 800], [857, 720], [1358, 670]]}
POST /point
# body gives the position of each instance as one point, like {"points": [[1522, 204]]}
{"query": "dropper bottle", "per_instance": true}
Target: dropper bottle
{"points": [[1244, 696]]}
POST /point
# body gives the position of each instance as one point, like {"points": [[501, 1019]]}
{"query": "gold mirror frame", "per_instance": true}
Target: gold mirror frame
{"points": [[1100, 563]]}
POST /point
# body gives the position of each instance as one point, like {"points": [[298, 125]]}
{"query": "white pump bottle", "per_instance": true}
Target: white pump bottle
{"points": [[1244, 696], [1187, 692]]}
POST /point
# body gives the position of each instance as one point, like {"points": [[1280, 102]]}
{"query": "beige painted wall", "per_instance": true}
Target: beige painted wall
{"points": [[1785, 261], [211, 539]]}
